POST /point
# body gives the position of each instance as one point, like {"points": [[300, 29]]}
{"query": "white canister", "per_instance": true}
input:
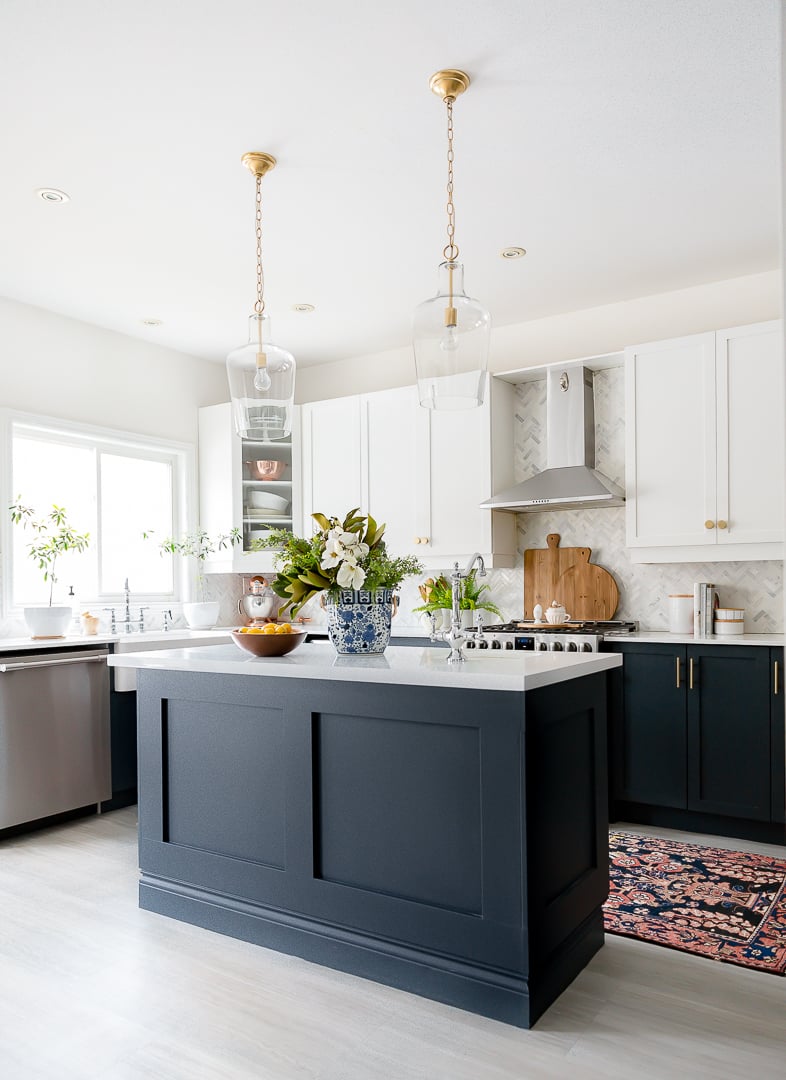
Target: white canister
{"points": [[681, 613]]}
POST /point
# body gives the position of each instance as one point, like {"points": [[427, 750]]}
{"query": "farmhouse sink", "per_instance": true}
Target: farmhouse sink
{"points": [[125, 678]]}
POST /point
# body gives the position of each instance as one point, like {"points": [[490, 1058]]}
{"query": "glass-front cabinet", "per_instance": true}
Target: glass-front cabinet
{"points": [[246, 483]]}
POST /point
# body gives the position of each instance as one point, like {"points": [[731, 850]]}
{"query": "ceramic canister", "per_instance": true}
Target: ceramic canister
{"points": [[681, 613]]}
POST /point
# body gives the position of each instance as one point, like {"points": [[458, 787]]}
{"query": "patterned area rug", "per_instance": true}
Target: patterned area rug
{"points": [[727, 905]]}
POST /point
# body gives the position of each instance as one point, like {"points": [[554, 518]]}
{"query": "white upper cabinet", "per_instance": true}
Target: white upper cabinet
{"points": [[704, 454], [423, 474], [232, 495]]}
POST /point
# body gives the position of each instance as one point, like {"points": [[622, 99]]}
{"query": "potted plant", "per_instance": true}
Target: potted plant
{"points": [[54, 536], [437, 594], [200, 614], [348, 562]]}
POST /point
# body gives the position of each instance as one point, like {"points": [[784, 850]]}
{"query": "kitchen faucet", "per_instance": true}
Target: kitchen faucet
{"points": [[455, 636], [128, 622]]}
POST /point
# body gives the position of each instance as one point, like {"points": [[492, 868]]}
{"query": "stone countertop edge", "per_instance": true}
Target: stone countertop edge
{"points": [[397, 665], [71, 641], [663, 637]]}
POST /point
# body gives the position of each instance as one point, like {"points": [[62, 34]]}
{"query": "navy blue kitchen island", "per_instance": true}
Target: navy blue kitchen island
{"points": [[443, 831]]}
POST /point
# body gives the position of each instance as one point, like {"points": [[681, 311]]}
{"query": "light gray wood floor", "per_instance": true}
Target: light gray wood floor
{"points": [[93, 988]]}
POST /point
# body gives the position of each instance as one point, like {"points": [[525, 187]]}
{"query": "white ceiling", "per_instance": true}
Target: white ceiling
{"points": [[630, 146]]}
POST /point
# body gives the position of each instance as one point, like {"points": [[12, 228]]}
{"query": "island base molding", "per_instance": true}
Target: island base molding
{"points": [[497, 995], [452, 843]]}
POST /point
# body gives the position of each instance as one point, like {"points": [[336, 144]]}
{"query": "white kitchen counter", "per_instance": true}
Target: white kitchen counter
{"points": [[137, 641], [663, 637], [406, 666]]}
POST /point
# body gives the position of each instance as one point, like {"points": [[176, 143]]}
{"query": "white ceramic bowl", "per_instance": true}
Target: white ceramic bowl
{"points": [[266, 500]]}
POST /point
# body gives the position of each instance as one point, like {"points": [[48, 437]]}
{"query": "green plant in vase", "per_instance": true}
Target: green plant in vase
{"points": [[201, 614], [437, 594], [54, 536]]}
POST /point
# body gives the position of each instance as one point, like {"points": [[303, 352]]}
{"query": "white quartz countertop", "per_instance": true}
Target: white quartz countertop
{"points": [[663, 637], [402, 665], [126, 641]]}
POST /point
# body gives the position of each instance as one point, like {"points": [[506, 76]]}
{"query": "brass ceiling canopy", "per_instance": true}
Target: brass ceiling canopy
{"points": [[448, 84], [258, 163]]}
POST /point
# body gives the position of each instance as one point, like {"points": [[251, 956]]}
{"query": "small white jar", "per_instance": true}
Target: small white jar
{"points": [[681, 613]]}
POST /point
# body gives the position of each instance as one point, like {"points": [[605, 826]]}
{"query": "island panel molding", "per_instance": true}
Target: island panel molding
{"points": [[378, 793]]}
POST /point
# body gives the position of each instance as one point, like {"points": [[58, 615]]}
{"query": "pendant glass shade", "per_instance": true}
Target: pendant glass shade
{"points": [[261, 385], [451, 335]]}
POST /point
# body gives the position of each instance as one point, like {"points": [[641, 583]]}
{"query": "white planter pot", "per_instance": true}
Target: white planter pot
{"points": [[201, 616], [48, 622]]}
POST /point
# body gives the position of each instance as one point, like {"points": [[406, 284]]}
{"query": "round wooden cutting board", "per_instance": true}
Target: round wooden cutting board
{"points": [[588, 591]]}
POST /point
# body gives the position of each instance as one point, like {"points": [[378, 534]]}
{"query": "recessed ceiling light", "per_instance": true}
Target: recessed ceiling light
{"points": [[303, 307], [52, 195], [513, 252], [152, 322]]}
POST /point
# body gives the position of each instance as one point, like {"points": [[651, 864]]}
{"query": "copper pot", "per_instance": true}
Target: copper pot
{"points": [[266, 470]]}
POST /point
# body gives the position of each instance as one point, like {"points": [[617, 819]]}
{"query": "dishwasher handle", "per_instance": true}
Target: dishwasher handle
{"points": [[27, 665]]}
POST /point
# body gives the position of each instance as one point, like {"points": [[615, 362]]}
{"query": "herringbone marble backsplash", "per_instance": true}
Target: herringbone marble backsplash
{"points": [[644, 588]]}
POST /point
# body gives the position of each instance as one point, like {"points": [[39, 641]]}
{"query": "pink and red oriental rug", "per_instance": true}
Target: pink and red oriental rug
{"points": [[726, 905]]}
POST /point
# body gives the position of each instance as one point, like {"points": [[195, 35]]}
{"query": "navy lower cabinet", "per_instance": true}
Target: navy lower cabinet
{"points": [[777, 689], [452, 843], [122, 729], [694, 742]]}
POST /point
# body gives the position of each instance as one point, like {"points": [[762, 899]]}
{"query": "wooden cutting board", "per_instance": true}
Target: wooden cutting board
{"points": [[587, 590], [566, 575]]}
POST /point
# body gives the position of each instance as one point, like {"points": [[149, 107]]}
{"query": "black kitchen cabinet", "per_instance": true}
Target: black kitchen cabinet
{"points": [[122, 725], [695, 739], [778, 802], [648, 734]]}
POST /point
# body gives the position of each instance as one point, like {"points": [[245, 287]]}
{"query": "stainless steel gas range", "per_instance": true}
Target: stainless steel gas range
{"points": [[585, 637]]}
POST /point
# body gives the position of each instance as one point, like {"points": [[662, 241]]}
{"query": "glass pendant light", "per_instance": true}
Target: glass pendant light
{"points": [[451, 331], [261, 374]]}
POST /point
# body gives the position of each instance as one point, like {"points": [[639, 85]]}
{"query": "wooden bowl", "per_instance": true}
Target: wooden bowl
{"points": [[269, 644]]}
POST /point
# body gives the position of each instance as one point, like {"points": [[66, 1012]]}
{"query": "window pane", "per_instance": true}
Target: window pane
{"points": [[46, 472], [136, 497]]}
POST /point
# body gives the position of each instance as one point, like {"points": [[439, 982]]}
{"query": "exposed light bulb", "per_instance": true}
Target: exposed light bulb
{"points": [[262, 380], [449, 341]]}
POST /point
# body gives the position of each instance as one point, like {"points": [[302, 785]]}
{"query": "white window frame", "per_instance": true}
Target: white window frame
{"points": [[128, 444]]}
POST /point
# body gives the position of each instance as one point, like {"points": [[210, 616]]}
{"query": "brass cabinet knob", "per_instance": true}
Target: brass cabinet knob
{"points": [[416, 540], [723, 524], [709, 524], [424, 539]]}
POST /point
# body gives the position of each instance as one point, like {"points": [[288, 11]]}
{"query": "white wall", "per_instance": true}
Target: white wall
{"points": [[572, 335], [59, 367]]}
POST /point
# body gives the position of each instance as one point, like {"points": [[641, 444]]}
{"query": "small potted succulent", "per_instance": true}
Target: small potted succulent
{"points": [[200, 614], [437, 596], [53, 537]]}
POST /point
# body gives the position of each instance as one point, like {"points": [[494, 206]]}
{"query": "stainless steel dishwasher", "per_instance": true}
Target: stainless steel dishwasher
{"points": [[54, 732]]}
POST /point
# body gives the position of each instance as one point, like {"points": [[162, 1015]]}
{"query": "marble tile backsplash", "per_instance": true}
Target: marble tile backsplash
{"points": [[644, 588]]}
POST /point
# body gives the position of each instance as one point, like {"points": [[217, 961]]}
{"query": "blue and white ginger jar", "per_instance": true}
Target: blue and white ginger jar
{"points": [[358, 620]]}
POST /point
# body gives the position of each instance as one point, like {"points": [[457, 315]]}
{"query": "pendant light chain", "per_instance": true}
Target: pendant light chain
{"points": [[450, 251], [259, 306]]}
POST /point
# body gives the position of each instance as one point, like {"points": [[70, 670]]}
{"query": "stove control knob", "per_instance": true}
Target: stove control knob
{"points": [[556, 646], [496, 644], [483, 644], [470, 645], [541, 646], [572, 647], [586, 646], [508, 644]]}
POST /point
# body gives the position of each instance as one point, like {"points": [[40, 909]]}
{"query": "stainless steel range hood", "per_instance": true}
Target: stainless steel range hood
{"points": [[570, 481]]}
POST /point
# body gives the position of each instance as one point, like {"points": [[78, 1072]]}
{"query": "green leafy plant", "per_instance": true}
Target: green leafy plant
{"points": [[348, 554], [197, 545], [54, 536], [437, 594]]}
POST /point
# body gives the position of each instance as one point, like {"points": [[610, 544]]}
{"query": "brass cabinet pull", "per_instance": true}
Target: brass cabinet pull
{"points": [[678, 672], [709, 524], [723, 524], [776, 676], [690, 673]]}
